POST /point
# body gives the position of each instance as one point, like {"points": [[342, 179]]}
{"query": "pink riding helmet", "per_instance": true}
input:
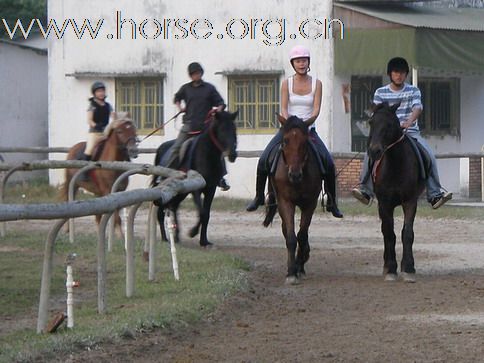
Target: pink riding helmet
{"points": [[299, 51]]}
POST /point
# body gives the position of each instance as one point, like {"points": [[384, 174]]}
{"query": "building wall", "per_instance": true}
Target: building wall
{"points": [[23, 105], [454, 173], [68, 95]]}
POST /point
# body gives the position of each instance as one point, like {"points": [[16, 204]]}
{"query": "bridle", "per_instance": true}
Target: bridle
{"points": [[306, 156]]}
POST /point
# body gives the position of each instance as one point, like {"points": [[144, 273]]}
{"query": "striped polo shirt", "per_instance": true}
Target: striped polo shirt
{"points": [[409, 97]]}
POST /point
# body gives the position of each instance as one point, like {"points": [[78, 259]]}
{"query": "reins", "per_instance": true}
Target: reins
{"points": [[376, 166]]}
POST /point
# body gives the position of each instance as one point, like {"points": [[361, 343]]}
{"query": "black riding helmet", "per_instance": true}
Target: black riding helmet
{"points": [[97, 85], [398, 64], [194, 67]]}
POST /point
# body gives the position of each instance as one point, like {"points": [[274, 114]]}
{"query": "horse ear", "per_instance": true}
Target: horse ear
{"points": [[235, 114], [395, 107], [369, 112], [281, 119]]}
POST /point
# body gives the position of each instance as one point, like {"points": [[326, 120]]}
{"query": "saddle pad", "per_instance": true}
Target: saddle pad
{"points": [[423, 158], [275, 153]]}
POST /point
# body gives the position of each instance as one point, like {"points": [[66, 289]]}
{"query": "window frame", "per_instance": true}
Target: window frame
{"points": [[275, 103], [137, 106], [425, 85]]}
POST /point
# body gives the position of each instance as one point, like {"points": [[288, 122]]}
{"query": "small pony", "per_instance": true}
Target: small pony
{"points": [[121, 144]]}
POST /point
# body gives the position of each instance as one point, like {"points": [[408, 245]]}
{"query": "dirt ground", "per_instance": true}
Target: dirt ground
{"points": [[343, 311]]}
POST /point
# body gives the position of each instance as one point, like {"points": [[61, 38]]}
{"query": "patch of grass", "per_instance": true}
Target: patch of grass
{"points": [[206, 278], [36, 191]]}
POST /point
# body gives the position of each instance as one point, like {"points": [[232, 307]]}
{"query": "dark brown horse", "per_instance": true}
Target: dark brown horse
{"points": [[120, 145], [396, 182], [296, 182]]}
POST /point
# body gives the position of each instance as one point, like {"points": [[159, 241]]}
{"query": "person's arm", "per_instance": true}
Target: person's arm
{"points": [[284, 99], [216, 100], [179, 97], [318, 94], [416, 109], [90, 118]]}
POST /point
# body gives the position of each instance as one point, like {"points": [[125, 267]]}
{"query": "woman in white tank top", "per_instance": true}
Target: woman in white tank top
{"points": [[300, 96]]}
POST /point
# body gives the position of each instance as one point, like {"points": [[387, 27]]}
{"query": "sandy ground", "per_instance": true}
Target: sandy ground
{"points": [[343, 311]]}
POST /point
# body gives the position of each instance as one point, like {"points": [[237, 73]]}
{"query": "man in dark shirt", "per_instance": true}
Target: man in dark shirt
{"points": [[200, 98]]}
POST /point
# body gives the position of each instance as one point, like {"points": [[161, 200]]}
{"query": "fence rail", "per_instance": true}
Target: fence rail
{"points": [[242, 153], [176, 183]]}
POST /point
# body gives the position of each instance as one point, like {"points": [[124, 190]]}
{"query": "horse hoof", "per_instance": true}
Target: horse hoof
{"points": [[292, 280], [193, 232], [408, 277], [391, 277], [206, 244]]}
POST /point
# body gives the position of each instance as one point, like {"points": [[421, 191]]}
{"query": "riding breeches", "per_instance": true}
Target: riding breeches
{"points": [[92, 139]]}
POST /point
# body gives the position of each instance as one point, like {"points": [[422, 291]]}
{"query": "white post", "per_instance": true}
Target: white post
{"points": [[124, 222], [171, 226], [152, 248], [415, 77], [70, 298], [482, 175]]}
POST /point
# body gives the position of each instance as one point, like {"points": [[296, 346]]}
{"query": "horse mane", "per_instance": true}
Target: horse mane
{"points": [[120, 118], [294, 122]]}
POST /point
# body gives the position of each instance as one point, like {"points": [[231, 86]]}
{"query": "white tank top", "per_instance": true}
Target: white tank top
{"points": [[301, 106]]}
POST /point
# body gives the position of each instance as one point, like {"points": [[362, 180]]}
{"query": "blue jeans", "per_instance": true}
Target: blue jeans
{"points": [[433, 186]]}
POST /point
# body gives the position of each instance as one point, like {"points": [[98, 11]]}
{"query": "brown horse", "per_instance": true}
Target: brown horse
{"points": [[296, 182], [119, 145], [397, 181]]}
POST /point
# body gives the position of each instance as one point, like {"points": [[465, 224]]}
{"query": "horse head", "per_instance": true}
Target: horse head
{"points": [[294, 146], [384, 129], [225, 132], [124, 130]]}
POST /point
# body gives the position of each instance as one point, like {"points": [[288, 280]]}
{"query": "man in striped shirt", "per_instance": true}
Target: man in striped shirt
{"points": [[408, 112]]}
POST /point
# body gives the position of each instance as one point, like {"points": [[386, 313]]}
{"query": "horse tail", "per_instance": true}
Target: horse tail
{"points": [[271, 210]]}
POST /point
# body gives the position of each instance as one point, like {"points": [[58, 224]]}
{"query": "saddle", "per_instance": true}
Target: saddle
{"points": [[424, 161], [187, 152], [96, 152], [275, 153]]}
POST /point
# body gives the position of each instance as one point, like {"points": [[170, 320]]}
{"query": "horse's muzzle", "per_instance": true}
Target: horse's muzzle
{"points": [[295, 177], [133, 151], [375, 152]]}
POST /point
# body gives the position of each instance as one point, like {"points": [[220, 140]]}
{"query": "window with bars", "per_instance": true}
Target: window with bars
{"points": [[143, 99], [257, 99], [441, 106]]}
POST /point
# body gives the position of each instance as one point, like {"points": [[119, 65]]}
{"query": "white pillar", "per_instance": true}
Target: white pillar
{"points": [[415, 76]]}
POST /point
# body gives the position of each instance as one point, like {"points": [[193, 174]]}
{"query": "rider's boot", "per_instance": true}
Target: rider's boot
{"points": [[260, 186]]}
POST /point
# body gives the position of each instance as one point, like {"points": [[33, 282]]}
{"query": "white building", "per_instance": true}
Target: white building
{"points": [[244, 46], [142, 75], [445, 48], [23, 104]]}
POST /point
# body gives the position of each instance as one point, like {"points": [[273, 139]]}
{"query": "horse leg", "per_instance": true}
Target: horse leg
{"points": [[205, 216], [286, 211], [407, 265], [160, 216], [197, 199], [302, 255], [118, 225], [389, 238]]}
